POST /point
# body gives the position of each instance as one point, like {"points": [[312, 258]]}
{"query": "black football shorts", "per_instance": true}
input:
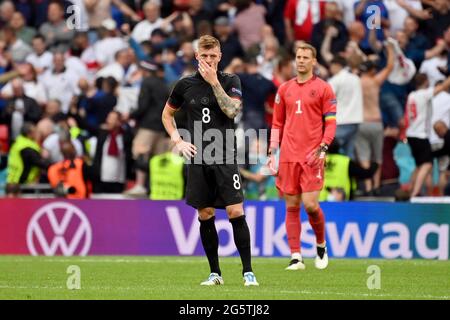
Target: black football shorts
{"points": [[214, 186]]}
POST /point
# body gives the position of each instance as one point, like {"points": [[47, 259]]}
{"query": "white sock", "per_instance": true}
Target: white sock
{"points": [[296, 255], [322, 245]]}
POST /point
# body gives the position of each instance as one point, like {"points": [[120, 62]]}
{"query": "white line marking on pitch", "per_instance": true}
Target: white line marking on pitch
{"points": [[368, 295]]}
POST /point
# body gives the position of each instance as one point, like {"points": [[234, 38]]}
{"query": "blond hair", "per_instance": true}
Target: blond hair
{"points": [[208, 42], [307, 46]]}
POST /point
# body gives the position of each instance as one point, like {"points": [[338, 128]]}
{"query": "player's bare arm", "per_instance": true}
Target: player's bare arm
{"points": [[444, 86], [168, 119], [231, 107]]}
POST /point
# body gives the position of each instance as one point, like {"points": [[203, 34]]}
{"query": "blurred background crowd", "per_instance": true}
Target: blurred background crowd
{"points": [[83, 84]]}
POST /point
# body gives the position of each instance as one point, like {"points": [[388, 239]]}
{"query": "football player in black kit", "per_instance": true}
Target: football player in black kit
{"points": [[211, 99]]}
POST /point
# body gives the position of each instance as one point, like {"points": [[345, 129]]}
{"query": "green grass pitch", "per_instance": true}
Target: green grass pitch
{"points": [[174, 278]]}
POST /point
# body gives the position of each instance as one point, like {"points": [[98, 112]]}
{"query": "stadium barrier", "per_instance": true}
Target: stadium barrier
{"points": [[144, 227]]}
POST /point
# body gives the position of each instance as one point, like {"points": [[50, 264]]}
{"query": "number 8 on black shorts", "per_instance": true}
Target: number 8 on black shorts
{"points": [[217, 186]]}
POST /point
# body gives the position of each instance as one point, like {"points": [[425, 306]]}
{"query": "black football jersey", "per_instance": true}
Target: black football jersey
{"points": [[210, 130]]}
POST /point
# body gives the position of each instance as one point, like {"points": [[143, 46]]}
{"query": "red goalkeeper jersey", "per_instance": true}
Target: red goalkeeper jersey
{"points": [[304, 116]]}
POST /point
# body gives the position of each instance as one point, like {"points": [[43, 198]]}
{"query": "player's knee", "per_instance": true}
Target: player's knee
{"points": [[235, 212], [205, 213], [311, 208]]}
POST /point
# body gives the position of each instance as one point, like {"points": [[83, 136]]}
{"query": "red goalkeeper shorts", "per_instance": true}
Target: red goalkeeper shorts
{"points": [[297, 178]]}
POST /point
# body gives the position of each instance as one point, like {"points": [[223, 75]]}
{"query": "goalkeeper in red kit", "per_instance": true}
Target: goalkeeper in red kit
{"points": [[304, 125]]}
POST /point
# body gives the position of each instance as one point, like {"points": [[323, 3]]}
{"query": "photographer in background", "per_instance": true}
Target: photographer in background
{"points": [[67, 177]]}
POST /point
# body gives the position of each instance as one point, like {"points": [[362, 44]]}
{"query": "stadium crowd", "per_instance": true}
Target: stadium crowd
{"points": [[84, 82]]}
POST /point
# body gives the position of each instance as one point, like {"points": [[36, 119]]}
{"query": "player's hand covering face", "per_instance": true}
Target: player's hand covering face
{"points": [[208, 60]]}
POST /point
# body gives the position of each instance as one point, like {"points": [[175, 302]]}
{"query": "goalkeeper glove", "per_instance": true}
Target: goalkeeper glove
{"points": [[317, 157]]}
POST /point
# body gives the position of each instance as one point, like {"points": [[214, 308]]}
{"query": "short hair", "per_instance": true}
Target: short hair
{"points": [[208, 42], [39, 36], [420, 79], [27, 129], [339, 60], [58, 3], [307, 46]]}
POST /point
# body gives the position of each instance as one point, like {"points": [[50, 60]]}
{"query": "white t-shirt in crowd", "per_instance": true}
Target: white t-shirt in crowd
{"points": [[105, 49], [77, 67], [44, 61], [348, 90], [52, 145], [117, 71], [348, 10], [62, 86], [430, 68], [419, 112], [143, 30], [34, 90], [113, 168], [397, 14], [441, 112]]}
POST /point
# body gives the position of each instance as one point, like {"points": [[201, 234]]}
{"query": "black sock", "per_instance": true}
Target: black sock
{"points": [[241, 235], [210, 241]]}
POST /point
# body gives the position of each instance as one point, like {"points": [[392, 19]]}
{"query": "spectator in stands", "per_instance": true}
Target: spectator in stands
{"points": [[99, 11], [33, 88], [112, 156], [402, 10], [60, 83], [23, 32], [52, 109], [40, 58], [19, 109], [268, 56], [352, 53], [87, 54], [418, 120], [435, 27], [122, 69], [109, 43], [199, 15], [300, 17], [24, 161], [348, 89], [390, 171], [432, 67], [248, 22], [6, 12], [182, 26], [102, 103], [369, 140], [332, 18], [55, 31], [440, 117], [151, 138], [229, 42], [152, 11], [255, 91], [380, 23], [18, 49], [51, 146]]}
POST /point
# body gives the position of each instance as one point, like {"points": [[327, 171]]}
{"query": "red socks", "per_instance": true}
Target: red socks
{"points": [[317, 221], [293, 228]]}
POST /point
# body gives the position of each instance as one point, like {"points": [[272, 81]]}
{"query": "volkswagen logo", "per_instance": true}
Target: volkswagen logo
{"points": [[59, 228]]}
